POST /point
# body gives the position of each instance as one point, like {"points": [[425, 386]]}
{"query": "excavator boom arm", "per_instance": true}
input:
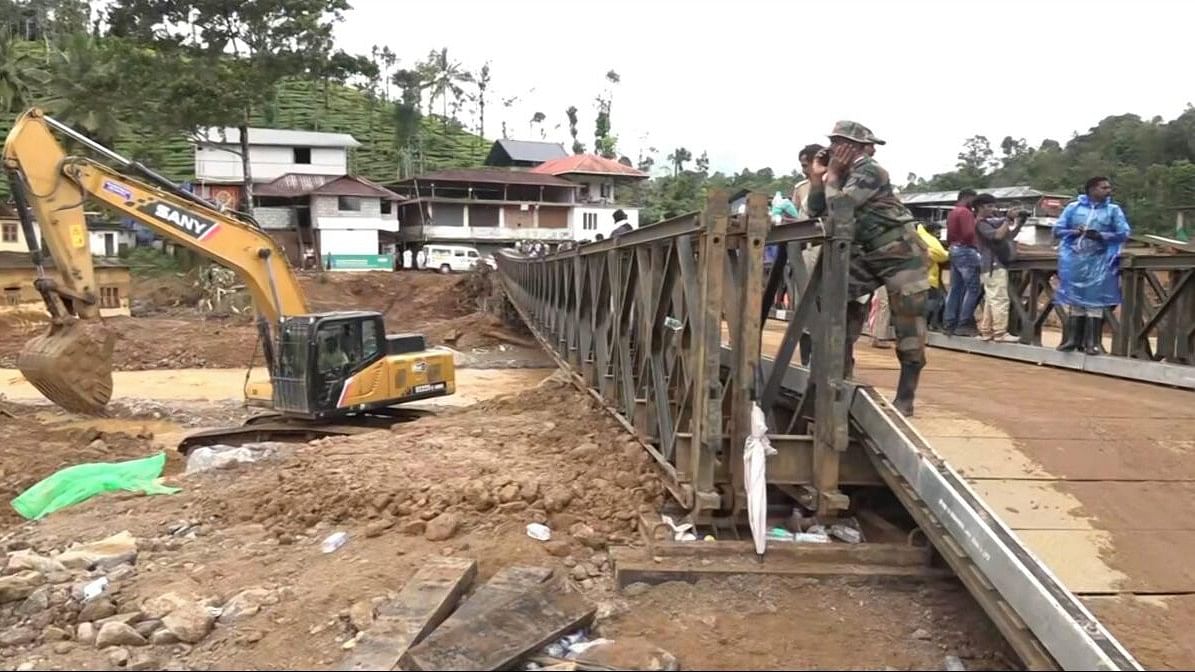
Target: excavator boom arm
{"points": [[54, 185]]}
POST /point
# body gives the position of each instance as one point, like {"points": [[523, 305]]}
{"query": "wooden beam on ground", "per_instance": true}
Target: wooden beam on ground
{"points": [[504, 586], [631, 566], [425, 601], [498, 638]]}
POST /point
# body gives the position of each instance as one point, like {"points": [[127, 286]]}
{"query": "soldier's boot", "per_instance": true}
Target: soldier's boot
{"points": [[1074, 334], [906, 387], [1095, 336]]}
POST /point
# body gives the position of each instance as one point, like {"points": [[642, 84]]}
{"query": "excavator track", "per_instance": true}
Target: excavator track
{"points": [[278, 427]]}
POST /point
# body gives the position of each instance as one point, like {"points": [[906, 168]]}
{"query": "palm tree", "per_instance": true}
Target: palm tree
{"points": [[444, 77], [19, 73]]}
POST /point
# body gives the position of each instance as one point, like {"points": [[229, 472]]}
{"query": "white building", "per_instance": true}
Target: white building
{"points": [[596, 178], [272, 154]]}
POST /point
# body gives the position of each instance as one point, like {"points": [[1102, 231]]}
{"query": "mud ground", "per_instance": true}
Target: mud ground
{"points": [[521, 447]]}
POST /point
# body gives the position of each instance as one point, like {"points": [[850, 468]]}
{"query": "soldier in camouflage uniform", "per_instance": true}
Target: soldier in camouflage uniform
{"points": [[886, 251]]}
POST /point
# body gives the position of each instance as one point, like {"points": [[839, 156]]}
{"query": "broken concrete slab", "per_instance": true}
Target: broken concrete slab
{"points": [[422, 605], [501, 636], [505, 585], [103, 554]]}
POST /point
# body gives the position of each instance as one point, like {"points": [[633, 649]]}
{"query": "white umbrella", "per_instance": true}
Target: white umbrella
{"points": [[755, 454]]}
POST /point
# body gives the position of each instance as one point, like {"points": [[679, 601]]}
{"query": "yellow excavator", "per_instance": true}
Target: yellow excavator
{"points": [[331, 373]]}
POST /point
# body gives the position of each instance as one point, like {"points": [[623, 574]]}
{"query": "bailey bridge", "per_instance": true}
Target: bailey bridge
{"points": [[1058, 487]]}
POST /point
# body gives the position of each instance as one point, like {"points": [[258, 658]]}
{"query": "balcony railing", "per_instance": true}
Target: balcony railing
{"points": [[418, 232]]}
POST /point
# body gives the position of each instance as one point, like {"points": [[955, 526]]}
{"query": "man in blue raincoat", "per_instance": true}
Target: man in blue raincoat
{"points": [[1091, 230]]}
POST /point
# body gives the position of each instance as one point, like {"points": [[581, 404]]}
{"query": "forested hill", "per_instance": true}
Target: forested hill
{"points": [[1151, 165]]}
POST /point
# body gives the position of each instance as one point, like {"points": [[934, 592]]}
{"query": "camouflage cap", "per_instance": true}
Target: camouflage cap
{"points": [[853, 130]]}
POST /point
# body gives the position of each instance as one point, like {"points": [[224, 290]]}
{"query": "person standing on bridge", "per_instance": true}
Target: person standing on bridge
{"points": [[886, 251], [1091, 230]]}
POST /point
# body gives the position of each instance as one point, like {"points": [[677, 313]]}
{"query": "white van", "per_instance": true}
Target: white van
{"points": [[450, 258]]}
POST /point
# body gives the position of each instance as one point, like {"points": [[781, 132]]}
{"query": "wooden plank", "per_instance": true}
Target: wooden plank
{"points": [[500, 637], [425, 601], [862, 554], [631, 567], [507, 584]]}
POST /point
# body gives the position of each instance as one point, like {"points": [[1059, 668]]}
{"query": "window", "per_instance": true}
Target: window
{"points": [[387, 206], [348, 203], [369, 339], [12, 296], [589, 221], [109, 297], [303, 155], [472, 254], [10, 232], [607, 190]]}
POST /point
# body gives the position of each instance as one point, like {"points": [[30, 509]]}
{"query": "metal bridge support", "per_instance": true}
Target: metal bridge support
{"points": [[643, 319]]}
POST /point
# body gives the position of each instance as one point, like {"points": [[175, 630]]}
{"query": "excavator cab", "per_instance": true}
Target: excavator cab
{"points": [[319, 355]]}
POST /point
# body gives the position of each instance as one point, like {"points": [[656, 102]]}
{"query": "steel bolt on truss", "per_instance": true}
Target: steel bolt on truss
{"points": [[664, 325]]}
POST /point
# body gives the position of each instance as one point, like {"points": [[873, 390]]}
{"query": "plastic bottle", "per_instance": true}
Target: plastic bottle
{"points": [[334, 541]]}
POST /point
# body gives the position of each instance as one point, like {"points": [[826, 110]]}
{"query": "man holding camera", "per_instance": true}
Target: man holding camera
{"points": [[995, 234], [855, 190]]}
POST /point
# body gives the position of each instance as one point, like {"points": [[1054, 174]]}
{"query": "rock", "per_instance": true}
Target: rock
{"points": [[377, 527], [118, 656], [147, 628], [557, 499], [478, 496], [442, 527], [636, 589], [562, 521], [85, 634], [17, 636], [128, 618], [244, 604], [611, 608], [252, 636], [584, 452], [41, 619], [103, 554], [508, 493], [513, 507], [121, 573], [115, 633], [529, 490], [580, 573], [586, 584], [569, 562], [412, 527], [626, 479], [26, 559], [54, 634], [158, 607], [586, 535], [163, 636], [557, 547], [361, 614], [98, 445], [380, 502], [20, 585], [38, 600], [94, 610], [591, 569], [62, 648], [190, 622], [144, 660], [921, 633]]}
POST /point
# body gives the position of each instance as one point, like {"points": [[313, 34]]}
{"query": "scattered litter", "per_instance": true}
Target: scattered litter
{"points": [[334, 541], [955, 664], [539, 531], [780, 534], [682, 532], [673, 323], [93, 589], [812, 537], [221, 456], [846, 533], [72, 485]]}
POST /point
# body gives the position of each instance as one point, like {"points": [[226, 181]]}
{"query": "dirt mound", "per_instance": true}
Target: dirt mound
{"points": [[36, 449]]}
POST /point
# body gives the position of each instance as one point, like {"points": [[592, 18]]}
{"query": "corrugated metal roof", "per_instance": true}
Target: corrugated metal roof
{"points": [[293, 185], [587, 164], [488, 176], [528, 150], [1000, 193], [278, 137]]}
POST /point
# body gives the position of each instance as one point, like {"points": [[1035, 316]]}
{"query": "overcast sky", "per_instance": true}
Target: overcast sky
{"points": [[752, 82]]}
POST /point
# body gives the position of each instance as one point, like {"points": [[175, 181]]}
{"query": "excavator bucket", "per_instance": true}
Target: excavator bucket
{"points": [[71, 364]]}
